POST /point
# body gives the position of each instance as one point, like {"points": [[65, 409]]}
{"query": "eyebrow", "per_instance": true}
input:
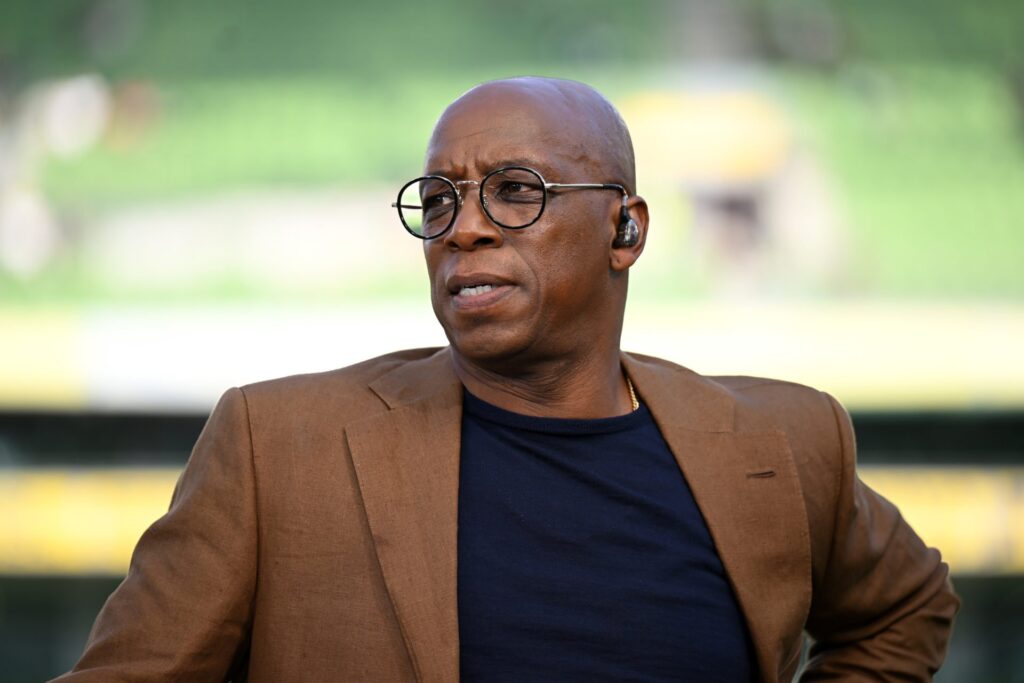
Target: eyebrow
{"points": [[536, 164]]}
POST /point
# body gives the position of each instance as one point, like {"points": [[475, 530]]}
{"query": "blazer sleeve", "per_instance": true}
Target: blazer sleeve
{"points": [[184, 610], [883, 608]]}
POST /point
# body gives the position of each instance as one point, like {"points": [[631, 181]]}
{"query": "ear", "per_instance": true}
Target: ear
{"points": [[621, 258]]}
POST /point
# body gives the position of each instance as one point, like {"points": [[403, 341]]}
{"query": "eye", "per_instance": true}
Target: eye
{"points": [[518, 191], [438, 200]]}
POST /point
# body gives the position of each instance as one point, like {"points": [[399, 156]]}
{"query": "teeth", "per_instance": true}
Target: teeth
{"points": [[475, 291]]}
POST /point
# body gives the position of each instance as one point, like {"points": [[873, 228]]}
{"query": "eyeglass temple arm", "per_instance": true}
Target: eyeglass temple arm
{"points": [[590, 186]]}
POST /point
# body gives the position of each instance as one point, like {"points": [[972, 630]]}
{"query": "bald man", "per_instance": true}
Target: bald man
{"points": [[529, 503]]}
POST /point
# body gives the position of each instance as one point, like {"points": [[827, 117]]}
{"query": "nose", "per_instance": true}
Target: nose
{"points": [[472, 228]]}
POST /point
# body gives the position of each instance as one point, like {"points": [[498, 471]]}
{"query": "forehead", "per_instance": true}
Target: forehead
{"points": [[484, 130]]}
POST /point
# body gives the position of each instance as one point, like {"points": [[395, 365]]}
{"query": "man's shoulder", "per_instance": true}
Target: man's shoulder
{"points": [[760, 403], [333, 390], [755, 392], [777, 397]]}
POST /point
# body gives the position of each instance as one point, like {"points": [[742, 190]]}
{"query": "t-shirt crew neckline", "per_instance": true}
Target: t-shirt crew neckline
{"points": [[483, 410]]}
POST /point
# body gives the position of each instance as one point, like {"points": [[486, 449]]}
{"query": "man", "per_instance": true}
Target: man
{"points": [[529, 504]]}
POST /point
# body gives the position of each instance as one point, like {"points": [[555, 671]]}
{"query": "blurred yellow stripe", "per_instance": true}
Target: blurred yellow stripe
{"points": [[88, 521], [40, 359], [974, 515], [868, 353], [78, 521]]}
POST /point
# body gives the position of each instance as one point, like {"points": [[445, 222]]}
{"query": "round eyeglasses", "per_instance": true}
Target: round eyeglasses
{"points": [[513, 197]]}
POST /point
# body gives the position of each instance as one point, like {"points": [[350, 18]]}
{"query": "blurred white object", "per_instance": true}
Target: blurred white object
{"points": [[75, 114], [283, 239], [63, 118], [29, 236]]}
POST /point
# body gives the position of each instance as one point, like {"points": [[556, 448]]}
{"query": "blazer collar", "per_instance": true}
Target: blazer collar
{"points": [[407, 464], [746, 486], [692, 401], [680, 396], [430, 377]]}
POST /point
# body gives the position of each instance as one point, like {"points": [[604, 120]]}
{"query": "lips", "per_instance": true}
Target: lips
{"points": [[477, 290]]}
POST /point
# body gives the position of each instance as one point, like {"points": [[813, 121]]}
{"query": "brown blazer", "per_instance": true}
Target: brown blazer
{"points": [[312, 535]]}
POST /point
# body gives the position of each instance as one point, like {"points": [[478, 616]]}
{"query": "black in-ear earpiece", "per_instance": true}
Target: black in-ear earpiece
{"points": [[628, 232]]}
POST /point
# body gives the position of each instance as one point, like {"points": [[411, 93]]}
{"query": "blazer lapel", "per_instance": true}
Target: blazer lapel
{"points": [[407, 464], [746, 486]]}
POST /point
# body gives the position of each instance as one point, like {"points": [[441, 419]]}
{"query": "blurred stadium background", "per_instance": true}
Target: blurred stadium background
{"points": [[195, 195]]}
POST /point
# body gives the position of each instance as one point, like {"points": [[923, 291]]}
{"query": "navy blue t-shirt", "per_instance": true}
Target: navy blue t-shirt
{"points": [[583, 557]]}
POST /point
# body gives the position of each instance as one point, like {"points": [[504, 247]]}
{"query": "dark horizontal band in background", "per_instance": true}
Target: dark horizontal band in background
{"points": [[104, 439]]}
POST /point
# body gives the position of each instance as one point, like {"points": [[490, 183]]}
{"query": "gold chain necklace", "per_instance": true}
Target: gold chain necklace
{"points": [[632, 395]]}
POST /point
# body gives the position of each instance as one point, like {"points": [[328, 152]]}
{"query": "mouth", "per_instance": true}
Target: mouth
{"points": [[477, 291], [471, 291]]}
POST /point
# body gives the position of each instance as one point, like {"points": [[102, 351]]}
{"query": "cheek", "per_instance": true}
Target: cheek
{"points": [[432, 262], [572, 263]]}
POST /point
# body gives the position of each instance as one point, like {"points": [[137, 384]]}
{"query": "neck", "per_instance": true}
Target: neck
{"points": [[589, 387]]}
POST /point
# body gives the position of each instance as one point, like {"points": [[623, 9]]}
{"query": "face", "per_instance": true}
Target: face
{"points": [[520, 296]]}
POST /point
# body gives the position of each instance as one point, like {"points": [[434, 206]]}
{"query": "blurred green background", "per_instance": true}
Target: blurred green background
{"points": [[916, 109]]}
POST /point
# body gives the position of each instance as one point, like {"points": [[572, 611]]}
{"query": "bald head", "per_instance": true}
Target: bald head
{"points": [[513, 300], [567, 118]]}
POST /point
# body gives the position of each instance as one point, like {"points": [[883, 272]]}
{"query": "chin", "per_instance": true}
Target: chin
{"points": [[487, 348], [483, 338]]}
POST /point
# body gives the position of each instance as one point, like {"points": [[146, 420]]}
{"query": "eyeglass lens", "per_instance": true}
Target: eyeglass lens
{"points": [[513, 198], [426, 206]]}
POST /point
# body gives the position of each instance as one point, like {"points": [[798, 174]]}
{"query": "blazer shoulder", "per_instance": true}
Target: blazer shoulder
{"points": [[801, 411], [341, 391], [778, 398], [754, 404]]}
